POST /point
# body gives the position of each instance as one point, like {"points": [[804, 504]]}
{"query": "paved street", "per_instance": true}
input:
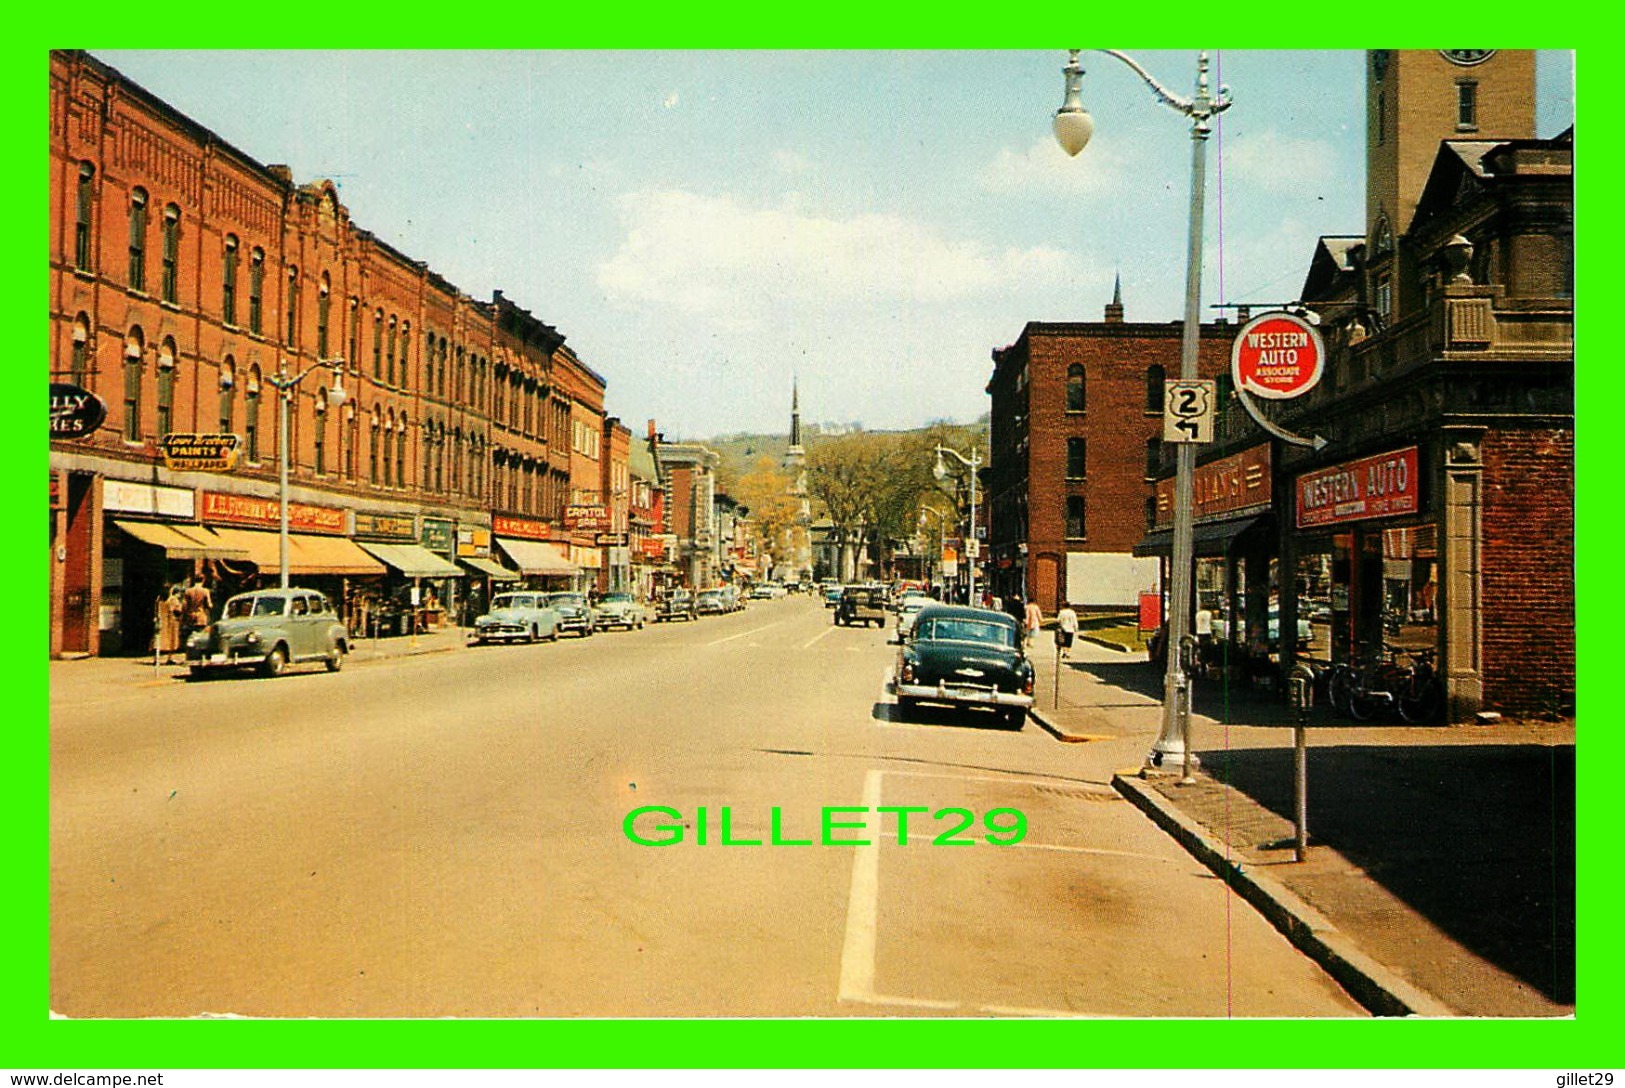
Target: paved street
{"points": [[441, 835]]}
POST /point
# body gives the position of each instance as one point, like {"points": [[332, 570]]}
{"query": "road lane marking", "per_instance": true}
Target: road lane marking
{"points": [[816, 637], [862, 903], [742, 634]]}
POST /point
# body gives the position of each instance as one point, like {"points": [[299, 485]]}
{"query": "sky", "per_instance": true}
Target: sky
{"points": [[705, 227]]}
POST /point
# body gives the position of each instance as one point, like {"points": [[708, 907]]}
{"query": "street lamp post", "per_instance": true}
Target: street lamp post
{"points": [[942, 531], [972, 463], [1073, 127], [285, 384]]}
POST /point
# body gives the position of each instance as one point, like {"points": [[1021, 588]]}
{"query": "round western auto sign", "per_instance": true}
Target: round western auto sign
{"points": [[1278, 356]]}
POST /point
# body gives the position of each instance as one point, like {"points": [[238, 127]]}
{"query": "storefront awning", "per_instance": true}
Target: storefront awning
{"points": [[307, 554], [412, 560], [535, 558], [182, 541], [488, 568], [1209, 539]]}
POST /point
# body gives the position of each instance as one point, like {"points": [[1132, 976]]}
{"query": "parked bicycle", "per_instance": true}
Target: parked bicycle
{"points": [[1383, 686]]}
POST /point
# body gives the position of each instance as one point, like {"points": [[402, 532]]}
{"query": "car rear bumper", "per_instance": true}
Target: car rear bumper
{"points": [[952, 693]]}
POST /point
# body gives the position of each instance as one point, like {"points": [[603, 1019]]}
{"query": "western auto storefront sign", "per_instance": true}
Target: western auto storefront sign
{"points": [[1228, 486], [227, 509], [1372, 487], [521, 528], [1277, 356]]}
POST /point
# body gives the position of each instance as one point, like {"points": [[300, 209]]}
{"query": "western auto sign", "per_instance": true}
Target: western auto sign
{"points": [[1372, 487], [200, 452], [75, 412], [1277, 356]]}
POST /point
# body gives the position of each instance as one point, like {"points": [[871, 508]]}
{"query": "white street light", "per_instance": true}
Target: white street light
{"points": [[972, 463], [284, 383], [1073, 127]]}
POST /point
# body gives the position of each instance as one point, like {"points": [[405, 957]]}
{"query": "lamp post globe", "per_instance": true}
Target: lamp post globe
{"points": [[1073, 128]]}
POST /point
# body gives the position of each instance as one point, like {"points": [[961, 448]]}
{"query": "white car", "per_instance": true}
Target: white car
{"points": [[908, 609], [621, 610]]}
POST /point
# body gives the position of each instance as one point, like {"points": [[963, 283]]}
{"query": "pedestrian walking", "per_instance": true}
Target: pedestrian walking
{"points": [[1032, 619], [167, 627], [1066, 626], [197, 605]]}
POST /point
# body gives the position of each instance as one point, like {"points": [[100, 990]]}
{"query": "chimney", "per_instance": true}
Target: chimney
{"points": [[1114, 308], [1244, 314]]}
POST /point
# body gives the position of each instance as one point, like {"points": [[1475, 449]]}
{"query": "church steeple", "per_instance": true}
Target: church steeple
{"points": [[795, 413]]}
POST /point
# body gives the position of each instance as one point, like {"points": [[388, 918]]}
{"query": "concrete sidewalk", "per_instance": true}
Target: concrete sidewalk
{"points": [[1440, 875]]}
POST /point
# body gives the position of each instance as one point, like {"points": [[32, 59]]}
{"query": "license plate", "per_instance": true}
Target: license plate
{"points": [[218, 659]]}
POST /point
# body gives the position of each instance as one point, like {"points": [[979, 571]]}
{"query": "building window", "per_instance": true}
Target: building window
{"points": [[372, 448], [1074, 388], [354, 358], [138, 240], [79, 361], [400, 452], [319, 432], [389, 356], [292, 338], [324, 306], [1384, 295], [1153, 457], [441, 384], [1155, 377], [172, 254], [228, 393], [228, 283], [133, 347], [1466, 106], [256, 291], [81, 223], [351, 440], [166, 387], [1077, 461], [406, 351], [1074, 517], [377, 344], [1150, 514], [251, 414], [389, 446]]}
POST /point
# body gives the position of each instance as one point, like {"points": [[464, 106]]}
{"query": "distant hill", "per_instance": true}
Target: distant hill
{"points": [[740, 452]]}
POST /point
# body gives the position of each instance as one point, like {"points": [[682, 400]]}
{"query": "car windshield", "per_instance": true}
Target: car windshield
{"points": [[513, 600], [575, 599], [914, 604], [238, 607], [957, 629], [710, 595], [617, 598]]}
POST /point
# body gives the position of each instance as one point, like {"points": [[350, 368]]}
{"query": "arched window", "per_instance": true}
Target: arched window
{"points": [[1077, 460], [256, 291], [324, 305], [292, 338], [441, 373], [86, 200], [319, 432], [79, 361], [389, 357], [228, 282], [228, 394], [1155, 376], [428, 440], [406, 351], [1074, 517], [372, 446], [134, 348], [400, 451], [251, 413], [138, 239], [171, 285], [1074, 388], [354, 358], [377, 344], [389, 446], [166, 387], [351, 440]]}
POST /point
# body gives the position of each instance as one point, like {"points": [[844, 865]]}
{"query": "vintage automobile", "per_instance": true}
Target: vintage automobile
{"points": [[576, 613], [908, 610], [863, 604], [711, 602], [832, 594], [676, 605], [969, 657], [521, 617], [620, 610], [268, 630]]}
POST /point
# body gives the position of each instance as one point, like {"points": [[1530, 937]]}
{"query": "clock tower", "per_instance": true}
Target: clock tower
{"points": [[1418, 97]]}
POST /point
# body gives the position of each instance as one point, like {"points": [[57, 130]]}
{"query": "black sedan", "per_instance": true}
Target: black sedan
{"points": [[965, 657]]}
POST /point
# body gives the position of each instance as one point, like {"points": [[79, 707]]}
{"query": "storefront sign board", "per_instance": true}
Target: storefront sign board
{"points": [[1277, 356], [250, 510], [1372, 487]]}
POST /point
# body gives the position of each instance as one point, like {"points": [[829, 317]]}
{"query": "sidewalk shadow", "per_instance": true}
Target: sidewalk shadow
{"points": [[1477, 838], [1222, 699]]}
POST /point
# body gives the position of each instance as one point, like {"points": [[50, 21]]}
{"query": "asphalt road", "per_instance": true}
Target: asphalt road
{"points": [[443, 836]]}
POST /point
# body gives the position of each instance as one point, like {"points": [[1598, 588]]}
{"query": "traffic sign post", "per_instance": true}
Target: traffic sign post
{"points": [[1187, 410]]}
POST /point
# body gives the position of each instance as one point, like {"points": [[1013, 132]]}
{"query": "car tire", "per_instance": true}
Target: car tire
{"points": [[1014, 718], [274, 662], [335, 660], [199, 672], [906, 706]]}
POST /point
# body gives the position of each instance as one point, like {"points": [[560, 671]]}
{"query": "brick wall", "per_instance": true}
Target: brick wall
{"points": [[1528, 569]]}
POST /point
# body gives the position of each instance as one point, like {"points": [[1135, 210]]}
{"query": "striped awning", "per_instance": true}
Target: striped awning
{"points": [[537, 559], [182, 541]]}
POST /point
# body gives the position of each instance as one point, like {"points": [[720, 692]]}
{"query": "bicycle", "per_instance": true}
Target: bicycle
{"points": [[1422, 698]]}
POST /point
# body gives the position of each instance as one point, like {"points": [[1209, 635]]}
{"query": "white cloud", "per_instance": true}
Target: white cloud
{"points": [[712, 256], [1280, 164], [1043, 168]]}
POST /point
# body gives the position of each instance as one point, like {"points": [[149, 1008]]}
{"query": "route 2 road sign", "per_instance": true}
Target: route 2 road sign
{"points": [[1187, 409]]}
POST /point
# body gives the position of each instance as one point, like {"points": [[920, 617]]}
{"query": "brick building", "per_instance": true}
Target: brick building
{"points": [[1076, 425], [184, 277]]}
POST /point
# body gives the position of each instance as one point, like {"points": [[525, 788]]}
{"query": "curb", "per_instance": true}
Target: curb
{"points": [[1374, 986], [1061, 734], [1109, 645]]}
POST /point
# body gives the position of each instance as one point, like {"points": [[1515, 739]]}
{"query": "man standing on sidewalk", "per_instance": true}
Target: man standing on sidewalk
{"points": [[1066, 626], [1033, 619]]}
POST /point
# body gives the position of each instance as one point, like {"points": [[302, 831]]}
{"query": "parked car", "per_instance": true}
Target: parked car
{"points": [[270, 629], [832, 595], [710, 602], [576, 613], [908, 611], [732, 599], [762, 592], [862, 604], [970, 657], [676, 605], [517, 617], [620, 610]]}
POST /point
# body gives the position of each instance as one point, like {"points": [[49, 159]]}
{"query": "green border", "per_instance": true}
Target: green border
{"points": [[32, 1041]]}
